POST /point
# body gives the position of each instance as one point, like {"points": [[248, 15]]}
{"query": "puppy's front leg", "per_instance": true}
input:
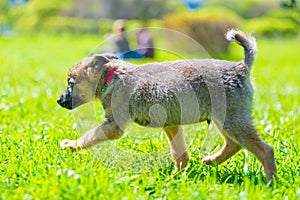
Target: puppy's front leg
{"points": [[107, 131], [177, 146]]}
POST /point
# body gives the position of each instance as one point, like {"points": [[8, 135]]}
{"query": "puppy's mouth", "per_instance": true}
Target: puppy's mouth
{"points": [[65, 104], [66, 101]]}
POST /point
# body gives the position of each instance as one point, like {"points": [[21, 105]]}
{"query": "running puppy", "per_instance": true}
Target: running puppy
{"points": [[171, 94]]}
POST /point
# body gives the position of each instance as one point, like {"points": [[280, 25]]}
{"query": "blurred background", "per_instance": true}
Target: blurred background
{"points": [[198, 19]]}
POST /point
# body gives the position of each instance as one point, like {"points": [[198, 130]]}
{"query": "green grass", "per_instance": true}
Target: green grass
{"points": [[32, 165]]}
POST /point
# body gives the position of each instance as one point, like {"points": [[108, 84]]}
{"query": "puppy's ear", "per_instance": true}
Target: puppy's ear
{"points": [[100, 60], [110, 56]]}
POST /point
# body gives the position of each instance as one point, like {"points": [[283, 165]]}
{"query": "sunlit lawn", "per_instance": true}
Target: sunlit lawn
{"points": [[32, 166]]}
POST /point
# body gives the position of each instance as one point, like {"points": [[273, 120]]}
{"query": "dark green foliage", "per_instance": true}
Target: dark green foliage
{"points": [[277, 22], [271, 27], [293, 7], [250, 8]]}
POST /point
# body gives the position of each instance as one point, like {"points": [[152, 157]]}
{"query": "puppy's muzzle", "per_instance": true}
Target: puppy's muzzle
{"points": [[65, 100]]}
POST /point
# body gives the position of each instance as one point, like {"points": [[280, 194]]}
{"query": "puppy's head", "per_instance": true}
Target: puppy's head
{"points": [[83, 80]]}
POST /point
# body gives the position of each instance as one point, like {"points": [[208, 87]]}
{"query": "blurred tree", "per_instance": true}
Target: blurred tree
{"points": [[289, 4], [3, 7], [293, 6], [31, 16], [247, 9], [128, 9], [138, 9], [41, 9], [4, 20], [202, 24], [36, 15]]}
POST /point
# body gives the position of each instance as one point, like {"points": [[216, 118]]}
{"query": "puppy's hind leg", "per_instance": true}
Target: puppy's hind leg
{"points": [[177, 146], [107, 131], [229, 149], [246, 135]]}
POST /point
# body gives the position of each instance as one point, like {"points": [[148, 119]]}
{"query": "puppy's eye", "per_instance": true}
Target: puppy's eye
{"points": [[71, 82]]}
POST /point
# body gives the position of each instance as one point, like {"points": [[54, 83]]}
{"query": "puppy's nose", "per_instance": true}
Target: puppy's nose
{"points": [[58, 101], [61, 101]]}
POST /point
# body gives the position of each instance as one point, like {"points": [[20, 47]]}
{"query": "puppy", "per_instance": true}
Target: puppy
{"points": [[171, 94]]}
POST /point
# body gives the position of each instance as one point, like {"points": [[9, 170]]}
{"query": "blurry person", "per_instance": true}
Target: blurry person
{"points": [[122, 49], [145, 42], [120, 39]]}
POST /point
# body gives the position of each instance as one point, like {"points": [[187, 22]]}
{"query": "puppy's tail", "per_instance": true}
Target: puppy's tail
{"points": [[245, 40]]}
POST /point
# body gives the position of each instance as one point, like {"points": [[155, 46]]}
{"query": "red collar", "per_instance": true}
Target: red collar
{"points": [[108, 79]]}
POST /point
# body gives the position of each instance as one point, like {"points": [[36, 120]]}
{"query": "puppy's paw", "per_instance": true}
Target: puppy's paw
{"points": [[71, 144], [209, 160], [180, 168]]}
